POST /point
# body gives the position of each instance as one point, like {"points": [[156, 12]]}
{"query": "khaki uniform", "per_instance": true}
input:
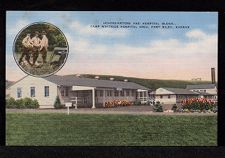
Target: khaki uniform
{"points": [[44, 47], [27, 47], [36, 45]]}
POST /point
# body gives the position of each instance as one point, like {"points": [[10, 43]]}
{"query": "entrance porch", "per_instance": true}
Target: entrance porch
{"points": [[92, 97]]}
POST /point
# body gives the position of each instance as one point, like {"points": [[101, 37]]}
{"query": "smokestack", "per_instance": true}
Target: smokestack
{"points": [[213, 75]]}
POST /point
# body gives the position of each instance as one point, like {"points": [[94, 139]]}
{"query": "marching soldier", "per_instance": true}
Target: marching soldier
{"points": [[44, 46], [36, 45], [27, 47]]}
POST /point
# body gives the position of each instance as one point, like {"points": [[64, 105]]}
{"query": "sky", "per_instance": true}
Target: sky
{"points": [[179, 54]]}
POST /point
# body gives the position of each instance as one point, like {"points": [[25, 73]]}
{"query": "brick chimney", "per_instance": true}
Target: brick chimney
{"points": [[213, 75]]}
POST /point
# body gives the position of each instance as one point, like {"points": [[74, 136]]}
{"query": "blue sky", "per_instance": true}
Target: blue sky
{"points": [[148, 53]]}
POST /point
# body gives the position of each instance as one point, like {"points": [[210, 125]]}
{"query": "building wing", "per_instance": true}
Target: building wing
{"points": [[181, 91]]}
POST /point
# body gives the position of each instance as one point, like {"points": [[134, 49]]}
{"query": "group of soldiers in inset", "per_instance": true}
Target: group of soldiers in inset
{"points": [[32, 47]]}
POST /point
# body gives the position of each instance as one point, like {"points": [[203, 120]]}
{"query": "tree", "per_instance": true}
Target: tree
{"points": [[57, 103], [174, 108], [157, 107]]}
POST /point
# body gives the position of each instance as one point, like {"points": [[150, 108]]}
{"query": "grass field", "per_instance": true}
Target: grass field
{"points": [[104, 130]]}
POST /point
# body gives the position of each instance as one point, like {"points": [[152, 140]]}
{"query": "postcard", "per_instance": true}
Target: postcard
{"points": [[111, 78]]}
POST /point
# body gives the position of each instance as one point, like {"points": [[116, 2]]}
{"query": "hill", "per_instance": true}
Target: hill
{"points": [[150, 83]]}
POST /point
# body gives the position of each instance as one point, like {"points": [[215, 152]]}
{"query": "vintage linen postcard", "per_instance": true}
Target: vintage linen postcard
{"points": [[111, 78]]}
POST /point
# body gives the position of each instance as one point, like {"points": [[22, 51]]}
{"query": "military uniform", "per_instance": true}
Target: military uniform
{"points": [[27, 47], [44, 46], [36, 45]]}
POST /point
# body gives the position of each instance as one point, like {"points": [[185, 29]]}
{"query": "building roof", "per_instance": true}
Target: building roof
{"points": [[201, 86], [8, 83], [181, 91], [73, 80], [205, 93]]}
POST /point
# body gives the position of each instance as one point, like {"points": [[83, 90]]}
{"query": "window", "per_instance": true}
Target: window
{"points": [[101, 93], [144, 94], [161, 96], [133, 93], [169, 96], [97, 93], [116, 93], [32, 91], [109, 93], [67, 91], [122, 93], [46, 91], [127, 93], [19, 92], [62, 92]]}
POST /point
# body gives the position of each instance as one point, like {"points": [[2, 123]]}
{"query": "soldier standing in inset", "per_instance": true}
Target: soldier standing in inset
{"points": [[27, 46], [36, 45], [44, 46]]}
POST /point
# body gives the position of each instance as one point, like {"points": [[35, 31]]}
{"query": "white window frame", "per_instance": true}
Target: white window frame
{"points": [[45, 92], [31, 92]]}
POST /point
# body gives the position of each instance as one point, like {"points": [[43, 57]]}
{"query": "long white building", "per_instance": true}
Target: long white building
{"points": [[88, 92]]}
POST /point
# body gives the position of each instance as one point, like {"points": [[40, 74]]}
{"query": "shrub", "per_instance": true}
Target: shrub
{"points": [[22, 103], [19, 103], [10, 103], [157, 107], [196, 104], [28, 102], [115, 103], [58, 104], [174, 108], [150, 102], [35, 104], [137, 102]]}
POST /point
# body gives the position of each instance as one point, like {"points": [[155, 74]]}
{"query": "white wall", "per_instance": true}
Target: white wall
{"points": [[166, 100], [165, 93], [210, 91], [39, 84]]}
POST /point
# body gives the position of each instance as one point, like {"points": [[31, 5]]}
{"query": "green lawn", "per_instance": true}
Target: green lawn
{"points": [[131, 130]]}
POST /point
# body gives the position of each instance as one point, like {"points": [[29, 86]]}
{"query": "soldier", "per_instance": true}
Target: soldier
{"points": [[36, 45], [44, 46], [27, 46]]}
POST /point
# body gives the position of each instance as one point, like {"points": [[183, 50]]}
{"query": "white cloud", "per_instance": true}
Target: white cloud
{"points": [[197, 43], [163, 58], [156, 59], [193, 46], [197, 34], [84, 46], [87, 30]]}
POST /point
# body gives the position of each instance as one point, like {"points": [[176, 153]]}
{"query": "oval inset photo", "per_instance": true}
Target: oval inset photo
{"points": [[40, 49]]}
